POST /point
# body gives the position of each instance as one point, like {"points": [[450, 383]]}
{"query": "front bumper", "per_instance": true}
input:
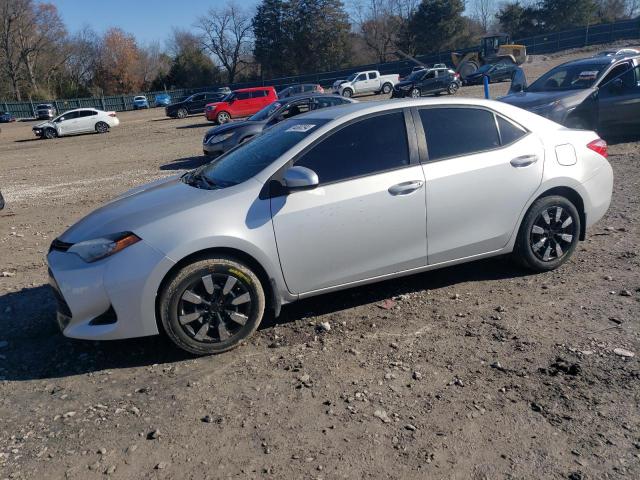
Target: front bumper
{"points": [[121, 289], [397, 93]]}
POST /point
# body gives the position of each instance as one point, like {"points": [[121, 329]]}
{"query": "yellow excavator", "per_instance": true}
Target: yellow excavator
{"points": [[493, 48]]}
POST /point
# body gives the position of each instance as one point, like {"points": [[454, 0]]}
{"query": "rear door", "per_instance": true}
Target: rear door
{"points": [[478, 180], [87, 121], [367, 217], [373, 82]]}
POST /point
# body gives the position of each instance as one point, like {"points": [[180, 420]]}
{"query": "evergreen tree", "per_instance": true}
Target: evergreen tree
{"points": [[436, 25]]}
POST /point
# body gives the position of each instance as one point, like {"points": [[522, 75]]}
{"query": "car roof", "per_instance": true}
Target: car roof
{"points": [[253, 89]]}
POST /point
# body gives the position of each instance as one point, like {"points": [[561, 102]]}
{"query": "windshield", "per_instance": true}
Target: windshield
{"points": [[568, 77], [417, 75], [228, 97], [247, 160], [266, 112], [484, 68], [352, 77]]}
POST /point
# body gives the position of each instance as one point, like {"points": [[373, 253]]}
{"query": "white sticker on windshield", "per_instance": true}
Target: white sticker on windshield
{"points": [[588, 75], [303, 127]]}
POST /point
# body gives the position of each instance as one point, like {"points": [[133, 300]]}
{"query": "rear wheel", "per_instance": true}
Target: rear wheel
{"points": [[102, 127], [223, 117], [211, 306], [49, 133], [549, 234], [182, 113]]}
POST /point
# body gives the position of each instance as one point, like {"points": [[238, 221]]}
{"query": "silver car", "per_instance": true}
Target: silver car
{"points": [[325, 201]]}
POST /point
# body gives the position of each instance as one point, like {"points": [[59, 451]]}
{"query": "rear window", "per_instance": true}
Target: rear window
{"points": [[454, 132], [259, 94]]}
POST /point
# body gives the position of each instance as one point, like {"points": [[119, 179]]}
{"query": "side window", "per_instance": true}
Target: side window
{"points": [[373, 75], [88, 113], [361, 77], [198, 97], [243, 95], [509, 132], [71, 116], [628, 82], [296, 109], [309, 88], [324, 102], [353, 151], [259, 94], [475, 131], [616, 72], [429, 74]]}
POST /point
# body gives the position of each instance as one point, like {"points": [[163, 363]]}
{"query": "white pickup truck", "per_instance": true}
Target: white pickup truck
{"points": [[365, 82]]}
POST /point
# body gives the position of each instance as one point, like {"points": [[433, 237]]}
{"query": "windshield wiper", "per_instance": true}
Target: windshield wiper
{"points": [[197, 179]]}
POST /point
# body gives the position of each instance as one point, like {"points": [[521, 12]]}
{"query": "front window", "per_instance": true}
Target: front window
{"points": [[266, 112], [247, 160], [568, 77]]}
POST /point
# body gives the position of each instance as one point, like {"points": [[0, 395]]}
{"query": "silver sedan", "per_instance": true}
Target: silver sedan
{"points": [[326, 201]]}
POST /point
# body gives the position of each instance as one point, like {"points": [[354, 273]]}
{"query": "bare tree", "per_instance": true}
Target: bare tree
{"points": [[10, 13], [226, 34], [483, 11]]}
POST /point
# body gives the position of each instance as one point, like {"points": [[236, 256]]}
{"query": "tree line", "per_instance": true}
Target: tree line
{"points": [[40, 58]]}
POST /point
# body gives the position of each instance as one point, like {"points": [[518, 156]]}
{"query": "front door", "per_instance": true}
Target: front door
{"points": [[428, 82], [197, 103], [477, 180], [619, 103], [366, 218], [68, 123]]}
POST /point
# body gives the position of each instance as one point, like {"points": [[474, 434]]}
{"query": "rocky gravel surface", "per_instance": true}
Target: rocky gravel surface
{"points": [[479, 371]]}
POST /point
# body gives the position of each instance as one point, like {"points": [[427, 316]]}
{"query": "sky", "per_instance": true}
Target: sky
{"points": [[148, 20]]}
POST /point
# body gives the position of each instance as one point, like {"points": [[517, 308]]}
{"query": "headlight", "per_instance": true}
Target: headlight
{"points": [[405, 87], [210, 108], [92, 250], [219, 138]]}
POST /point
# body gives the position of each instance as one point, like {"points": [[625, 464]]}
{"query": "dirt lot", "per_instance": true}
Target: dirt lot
{"points": [[478, 371]]}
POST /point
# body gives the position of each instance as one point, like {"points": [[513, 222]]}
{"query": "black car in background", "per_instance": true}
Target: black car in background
{"points": [[427, 81], [300, 89], [600, 93], [224, 137], [497, 72], [194, 104]]}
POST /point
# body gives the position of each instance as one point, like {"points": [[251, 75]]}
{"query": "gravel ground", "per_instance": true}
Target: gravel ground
{"points": [[477, 371]]}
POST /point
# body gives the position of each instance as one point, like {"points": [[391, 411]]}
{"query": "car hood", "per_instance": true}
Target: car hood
{"points": [[138, 207], [230, 127], [337, 83], [404, 83], [528, 100], [43, 124]]}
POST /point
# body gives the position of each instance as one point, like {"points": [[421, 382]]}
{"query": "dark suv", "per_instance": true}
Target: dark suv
{"points": [[194, 104], [427, 81]]}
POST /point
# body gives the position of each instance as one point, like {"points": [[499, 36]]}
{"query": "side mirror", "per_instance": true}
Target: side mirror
{"points": [[616, 86], [518, 81], [300, 178]]}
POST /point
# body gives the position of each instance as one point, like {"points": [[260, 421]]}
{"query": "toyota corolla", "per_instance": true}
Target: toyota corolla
{"points": [[325, 201]]}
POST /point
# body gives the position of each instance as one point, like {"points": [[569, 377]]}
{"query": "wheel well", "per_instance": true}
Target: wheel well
{"points": [[273, 301], [575, 198]]}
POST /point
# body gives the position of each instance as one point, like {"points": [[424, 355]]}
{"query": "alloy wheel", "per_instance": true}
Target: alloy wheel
{"points": [[223, 117], [415, 93], [214, 308], [552, 234]]}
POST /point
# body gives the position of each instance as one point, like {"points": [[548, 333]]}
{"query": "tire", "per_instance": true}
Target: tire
{"points": [[538, 239], [347, 92], [49, 133], [467, 68], [221, 324], [415, 93], [386, 88], [182, 113], [452, 88], [102, 127], [222, 117]]}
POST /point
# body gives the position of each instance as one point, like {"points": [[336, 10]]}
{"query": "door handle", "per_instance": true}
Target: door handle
{"points": [[405, 188], [524, 161]]}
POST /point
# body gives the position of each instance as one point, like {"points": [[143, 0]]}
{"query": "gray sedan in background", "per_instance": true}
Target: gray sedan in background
{"points": [[324, 201], [224, 137]]}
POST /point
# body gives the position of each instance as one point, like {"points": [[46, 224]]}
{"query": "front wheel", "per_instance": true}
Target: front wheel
{"points": [[548, 235], [50, 133], [386, 88], [182, 113], [222, 117], [102, 127], [347, 92], [453, 88], [212, 305], [415, 93]]}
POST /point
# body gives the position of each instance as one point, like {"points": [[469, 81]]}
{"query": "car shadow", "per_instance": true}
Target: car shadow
{"points": [[615, 140], [32, 347], [25, 140], [186, 163], [196, 125]]}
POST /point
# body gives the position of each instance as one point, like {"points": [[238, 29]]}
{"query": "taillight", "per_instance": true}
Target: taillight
{"points": [[112, 114], [600, 147]]}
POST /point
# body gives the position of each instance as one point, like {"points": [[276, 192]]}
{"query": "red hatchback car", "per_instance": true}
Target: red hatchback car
{"points": [[240, 103]]}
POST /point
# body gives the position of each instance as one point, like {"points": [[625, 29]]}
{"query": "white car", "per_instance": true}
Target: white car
{"points": [[80, 120], [365, 82]]}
